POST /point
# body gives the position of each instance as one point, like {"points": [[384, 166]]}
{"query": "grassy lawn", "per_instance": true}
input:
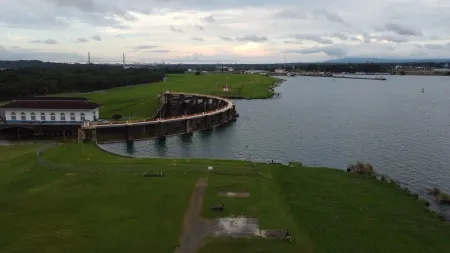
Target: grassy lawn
{"points": [[140, 101], [45, 211], [326, 210]]}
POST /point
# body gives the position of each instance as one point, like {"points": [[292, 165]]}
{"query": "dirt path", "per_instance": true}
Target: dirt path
{"points": [[195, 228]]}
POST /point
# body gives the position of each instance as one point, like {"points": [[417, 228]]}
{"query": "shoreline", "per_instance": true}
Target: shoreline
{"points": [[432, 205]]}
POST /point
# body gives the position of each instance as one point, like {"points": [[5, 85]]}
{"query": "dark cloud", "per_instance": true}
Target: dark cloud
{"points": [[47, 41], [97, 38], [290, 14], [226, 38], [311, 37], [81, 40], [402, 30], [328, 50], [175, 29], [200, 27], [252, 38], [209, 19], [330, 16], [198, 39]]}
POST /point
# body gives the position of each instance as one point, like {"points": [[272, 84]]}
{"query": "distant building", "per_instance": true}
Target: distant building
{"points": [[280, 71], [256, 71], [441, 70], [58, 110]]}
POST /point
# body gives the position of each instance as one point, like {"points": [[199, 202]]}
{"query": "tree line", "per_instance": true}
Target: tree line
{"points": [[61, 78]]}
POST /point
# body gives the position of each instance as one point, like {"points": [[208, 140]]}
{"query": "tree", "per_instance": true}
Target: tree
{"points": [[116, 116]]}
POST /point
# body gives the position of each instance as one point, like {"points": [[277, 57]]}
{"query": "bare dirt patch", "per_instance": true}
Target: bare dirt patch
{"points": [[235, 194], [277, 234], [245, 227], [237, 227]]}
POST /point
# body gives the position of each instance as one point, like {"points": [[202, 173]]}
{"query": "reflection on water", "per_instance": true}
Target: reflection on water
{"points": [[160, 147], [130, 147]]}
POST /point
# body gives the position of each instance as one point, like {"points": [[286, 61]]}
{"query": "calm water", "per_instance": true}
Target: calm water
{"points": [[403, 132]]}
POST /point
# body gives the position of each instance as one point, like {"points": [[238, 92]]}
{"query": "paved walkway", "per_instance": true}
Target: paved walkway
{"points": [[195, 228]]}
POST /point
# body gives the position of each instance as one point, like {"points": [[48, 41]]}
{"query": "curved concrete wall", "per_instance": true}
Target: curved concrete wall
{"points": [[209, 111]]}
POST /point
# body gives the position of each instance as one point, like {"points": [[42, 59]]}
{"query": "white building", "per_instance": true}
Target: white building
{"points": [[63, 110]]}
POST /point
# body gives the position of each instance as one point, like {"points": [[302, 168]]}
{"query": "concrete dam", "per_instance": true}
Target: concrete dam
{"points": [[178, 113]]}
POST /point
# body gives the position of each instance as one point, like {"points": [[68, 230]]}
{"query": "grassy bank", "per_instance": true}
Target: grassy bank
{"points": [[326, 210], [140, 101]]}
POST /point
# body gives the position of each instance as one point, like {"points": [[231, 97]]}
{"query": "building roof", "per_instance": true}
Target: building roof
{"points": [[52, 105]]}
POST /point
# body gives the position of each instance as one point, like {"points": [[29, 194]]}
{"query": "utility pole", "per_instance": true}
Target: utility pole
{"points": [[123, 58], [89, 58]]}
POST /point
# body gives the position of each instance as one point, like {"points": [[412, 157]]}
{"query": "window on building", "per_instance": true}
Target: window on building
{"points": [[82, 117], [23, 117], [72, 116], [43, 116], [13, 116], [52, 116], [63, 117], [95, 115], [33, 116]]}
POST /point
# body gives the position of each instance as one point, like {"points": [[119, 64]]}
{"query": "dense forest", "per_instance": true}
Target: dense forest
{"points": [[61, 78]]}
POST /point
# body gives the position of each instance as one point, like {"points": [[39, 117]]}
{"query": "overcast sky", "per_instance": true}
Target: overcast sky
{"points": [[208, 31]]}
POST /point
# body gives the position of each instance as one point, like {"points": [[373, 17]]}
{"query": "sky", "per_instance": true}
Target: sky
{"points": [[228, 31]]}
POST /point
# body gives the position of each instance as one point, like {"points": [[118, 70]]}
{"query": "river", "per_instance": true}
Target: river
{"points": [[392, 124]]}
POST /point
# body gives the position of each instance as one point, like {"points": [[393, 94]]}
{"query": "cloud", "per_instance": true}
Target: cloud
{"points": [[81, 40], [294, 42], [47, 41], [198, 39], [252, 38], [435, 46], [209, 19], [340, 36], [200, 27], [311, 37], [175, 29], [333, 17], [333, 51], [160, 51], [28, 54], [402, 30], [290, 14], [143, 47], [97, 38], [226, 38]]}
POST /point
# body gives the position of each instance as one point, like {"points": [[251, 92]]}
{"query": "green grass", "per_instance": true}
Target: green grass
{"points": [[45, 211], [326, 210], [140, 101]]}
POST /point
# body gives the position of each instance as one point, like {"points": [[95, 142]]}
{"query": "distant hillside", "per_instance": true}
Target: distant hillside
{"points": [[383, 60]]}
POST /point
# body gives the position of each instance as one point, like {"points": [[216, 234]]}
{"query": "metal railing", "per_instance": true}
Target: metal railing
{"points": [[129, 122]]}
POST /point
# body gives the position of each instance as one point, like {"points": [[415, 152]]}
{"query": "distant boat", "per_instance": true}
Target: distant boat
{"points": [[380, 78], [423, 90]]}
